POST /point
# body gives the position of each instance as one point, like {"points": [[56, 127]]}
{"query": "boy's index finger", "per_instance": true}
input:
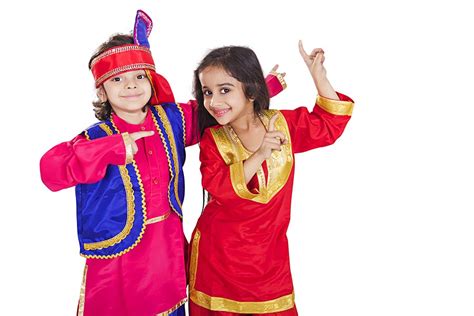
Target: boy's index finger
{"points": [[141, 134]]}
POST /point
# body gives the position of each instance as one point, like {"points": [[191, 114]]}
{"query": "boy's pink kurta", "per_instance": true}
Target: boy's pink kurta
{"points": [[151, 278]]}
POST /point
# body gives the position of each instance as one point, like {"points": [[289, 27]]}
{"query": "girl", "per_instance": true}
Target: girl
{"points": [[129, 181], [239, 252]]}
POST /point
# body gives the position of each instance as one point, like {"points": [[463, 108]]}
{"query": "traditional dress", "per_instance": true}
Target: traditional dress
{"points": [[239, 261], [150, 277]]}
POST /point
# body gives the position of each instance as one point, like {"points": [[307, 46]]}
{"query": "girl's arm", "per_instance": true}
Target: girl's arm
{"points": [[330, 115]]}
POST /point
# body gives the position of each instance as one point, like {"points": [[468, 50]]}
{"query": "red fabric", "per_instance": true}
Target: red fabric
{"points": [[273, 85], [243, 248], [117, 57], [129, 57]]}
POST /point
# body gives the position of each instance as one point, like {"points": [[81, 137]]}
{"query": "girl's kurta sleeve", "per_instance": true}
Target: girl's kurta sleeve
{"points": [[216, 174], [322, 126], [81, 161]]}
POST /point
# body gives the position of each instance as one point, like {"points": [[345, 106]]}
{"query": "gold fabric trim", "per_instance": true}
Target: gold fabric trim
{"points": [[82, 295], [234, 153], [174, 153], [118, 50], [184, 123], [172, 309], [213, 303], [227, 305], [130, 210], [157, 219], [335, 107], [115, 71], [127, 140], [193, 261]]}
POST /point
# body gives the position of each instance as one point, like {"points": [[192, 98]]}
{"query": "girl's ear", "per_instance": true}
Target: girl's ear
{"points": [[101, 94]]}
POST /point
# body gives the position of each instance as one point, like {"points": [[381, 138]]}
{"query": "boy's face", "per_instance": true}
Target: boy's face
{"points": [[127, 92], [224, 97]]}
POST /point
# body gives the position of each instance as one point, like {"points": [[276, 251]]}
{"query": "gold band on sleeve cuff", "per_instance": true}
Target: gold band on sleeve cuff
{"points": [[335, 107], [280, 78], [128, 147]]}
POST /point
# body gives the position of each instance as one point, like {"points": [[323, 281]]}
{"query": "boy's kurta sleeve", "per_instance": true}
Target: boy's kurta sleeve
{"points": [[322, 126], [81, 161], [216, 177]]}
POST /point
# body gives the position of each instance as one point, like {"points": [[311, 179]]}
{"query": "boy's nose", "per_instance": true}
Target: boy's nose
{"points": [[130, 84]]}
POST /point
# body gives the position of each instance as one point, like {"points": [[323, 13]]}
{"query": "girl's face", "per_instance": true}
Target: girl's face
{"points": [[224, 97], [127, 92]]}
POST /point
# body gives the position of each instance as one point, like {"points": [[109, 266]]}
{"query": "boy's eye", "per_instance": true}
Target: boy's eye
{"points": [[207, 93], [116, 79], [141, 77]]}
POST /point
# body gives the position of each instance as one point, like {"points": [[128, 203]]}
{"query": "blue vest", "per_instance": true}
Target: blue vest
{"points": [[111, 213]]}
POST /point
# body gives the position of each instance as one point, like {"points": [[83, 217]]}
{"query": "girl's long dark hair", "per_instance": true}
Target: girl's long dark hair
{"points": [[240, 63], [103, 110]]}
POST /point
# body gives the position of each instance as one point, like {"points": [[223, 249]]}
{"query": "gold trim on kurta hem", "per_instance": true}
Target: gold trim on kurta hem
{"points": [[82, 295], [213, 303], [335, 107], [227, 305], [172, 309], [234, 154]]}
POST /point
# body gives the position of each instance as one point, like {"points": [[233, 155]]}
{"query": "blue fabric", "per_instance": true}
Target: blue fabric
{"points": [[176, 120], [102, 206], [179, 312], [142, 29]]}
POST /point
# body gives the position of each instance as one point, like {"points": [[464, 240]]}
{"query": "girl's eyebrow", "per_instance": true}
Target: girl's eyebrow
{"points": [[220, 85]]}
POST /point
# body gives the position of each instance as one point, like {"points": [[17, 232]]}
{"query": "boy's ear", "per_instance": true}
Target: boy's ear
{"points": [[101, 94]]}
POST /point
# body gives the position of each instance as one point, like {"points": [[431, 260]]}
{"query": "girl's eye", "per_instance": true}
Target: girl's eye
{"points": [[141, 77], [225, 90], [207, 93], [117, 79]]}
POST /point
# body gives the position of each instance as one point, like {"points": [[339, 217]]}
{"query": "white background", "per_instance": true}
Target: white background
{"points": [[382, 222]]}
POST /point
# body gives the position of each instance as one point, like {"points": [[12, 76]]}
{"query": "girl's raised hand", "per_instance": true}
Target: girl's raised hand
{"points": [[272, 140], [314, 62]]}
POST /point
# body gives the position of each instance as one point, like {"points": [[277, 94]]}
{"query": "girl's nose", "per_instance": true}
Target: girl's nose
{"points": [[215, 101]]}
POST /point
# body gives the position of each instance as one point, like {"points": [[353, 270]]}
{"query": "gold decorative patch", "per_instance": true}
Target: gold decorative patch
{"points": [[335, 107], [234, 154]]}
